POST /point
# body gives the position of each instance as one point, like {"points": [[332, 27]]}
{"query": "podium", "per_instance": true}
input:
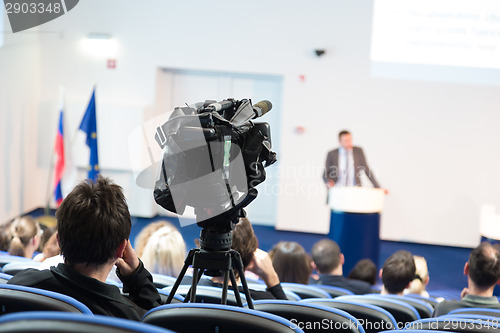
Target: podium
{"points": [[355, 222], [489, 224]]}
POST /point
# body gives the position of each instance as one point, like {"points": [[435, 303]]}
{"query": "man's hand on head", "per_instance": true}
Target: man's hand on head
{"points": [[129, 262]]}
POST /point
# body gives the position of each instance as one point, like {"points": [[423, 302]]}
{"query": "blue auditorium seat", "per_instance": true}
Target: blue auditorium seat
{"points": [[207, 294], [455, 324], [290, 295], [464, 312], [162, 281], [4, 278], [432, 301], [15, 267], [334, 291], [60, 322], [164, 295], [198, 317], [14, 298], [402, 312], [311, 317], [5, 259], [372, 318], [424, 309], [305, 291]]}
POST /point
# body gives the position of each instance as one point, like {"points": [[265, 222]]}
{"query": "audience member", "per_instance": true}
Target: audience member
{"points": [[364, 270], [165, 251], [26, 233], [291, 262], [483, 273], [142, 237], [397, 273], [421, 280], [254, 260], [5, 236], [328, 261], [93, 225], [48, 245]]}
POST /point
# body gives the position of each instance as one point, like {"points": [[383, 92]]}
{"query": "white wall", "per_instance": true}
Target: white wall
{"points": [[22, 183], [405, 127]]}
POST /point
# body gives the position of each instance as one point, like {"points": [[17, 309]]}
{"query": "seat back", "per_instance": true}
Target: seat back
{"points": [[424, 309], [305, 291], [5, 259], [372, 318], [164, 295], [402, 312], [206, 294], [429, 300], [4, 278], [60, 322], [290, 295], [465, 312], [451, 324], [14, 298], [194, 317], [311, 317], [162, 281], [13, 268], [334, 291], [485, 318]]}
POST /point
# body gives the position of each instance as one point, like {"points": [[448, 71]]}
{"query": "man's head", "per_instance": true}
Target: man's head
{"points": [[398, 271], [326, 256], [92, 223], [345, 139], [483, 267]]}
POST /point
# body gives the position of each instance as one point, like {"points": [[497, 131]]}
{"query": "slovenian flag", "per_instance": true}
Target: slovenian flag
{"points": [[59, 165], [89, 126]]}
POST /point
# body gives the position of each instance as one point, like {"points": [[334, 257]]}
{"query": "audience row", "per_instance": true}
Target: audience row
{"points": [[92, 241]]}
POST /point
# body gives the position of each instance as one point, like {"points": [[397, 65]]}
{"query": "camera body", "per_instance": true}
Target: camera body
{"points": [[214, 156]]}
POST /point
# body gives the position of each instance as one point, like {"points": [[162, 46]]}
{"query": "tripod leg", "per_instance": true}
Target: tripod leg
{"points": [[187, 262], [191, 295], [239, 266], [236, 290], [225, 287]]}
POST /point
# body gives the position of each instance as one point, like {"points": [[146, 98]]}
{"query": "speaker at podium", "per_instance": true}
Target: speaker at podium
{"points": [[355, 222]]}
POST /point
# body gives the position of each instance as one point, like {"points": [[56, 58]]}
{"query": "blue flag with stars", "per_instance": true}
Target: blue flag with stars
{"points": [[89, 126]]}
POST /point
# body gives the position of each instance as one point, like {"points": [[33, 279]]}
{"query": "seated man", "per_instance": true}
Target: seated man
{"points": [[397, 273], [483, 272], [93, 224], [328, 261]]}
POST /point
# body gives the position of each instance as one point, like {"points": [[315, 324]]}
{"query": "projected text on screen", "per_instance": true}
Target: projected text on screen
{"points": [[461, 33]]}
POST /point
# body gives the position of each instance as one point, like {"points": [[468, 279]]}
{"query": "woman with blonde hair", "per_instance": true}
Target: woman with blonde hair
{"points": [[142, 237], [165, 251], [26, 234], [417, 286]]}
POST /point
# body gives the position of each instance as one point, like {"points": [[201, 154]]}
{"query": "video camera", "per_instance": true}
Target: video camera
{"points": [[213, 157]]}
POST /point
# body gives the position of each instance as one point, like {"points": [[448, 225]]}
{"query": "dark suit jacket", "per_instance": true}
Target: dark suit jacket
{"points": [[332, 169]]}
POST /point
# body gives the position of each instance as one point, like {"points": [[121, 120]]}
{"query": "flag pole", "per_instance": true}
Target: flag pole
{"points": [[47, 218]]}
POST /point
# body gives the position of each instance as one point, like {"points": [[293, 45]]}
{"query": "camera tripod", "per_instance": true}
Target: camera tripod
{"points": [[215, 258], [206, 262]]}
